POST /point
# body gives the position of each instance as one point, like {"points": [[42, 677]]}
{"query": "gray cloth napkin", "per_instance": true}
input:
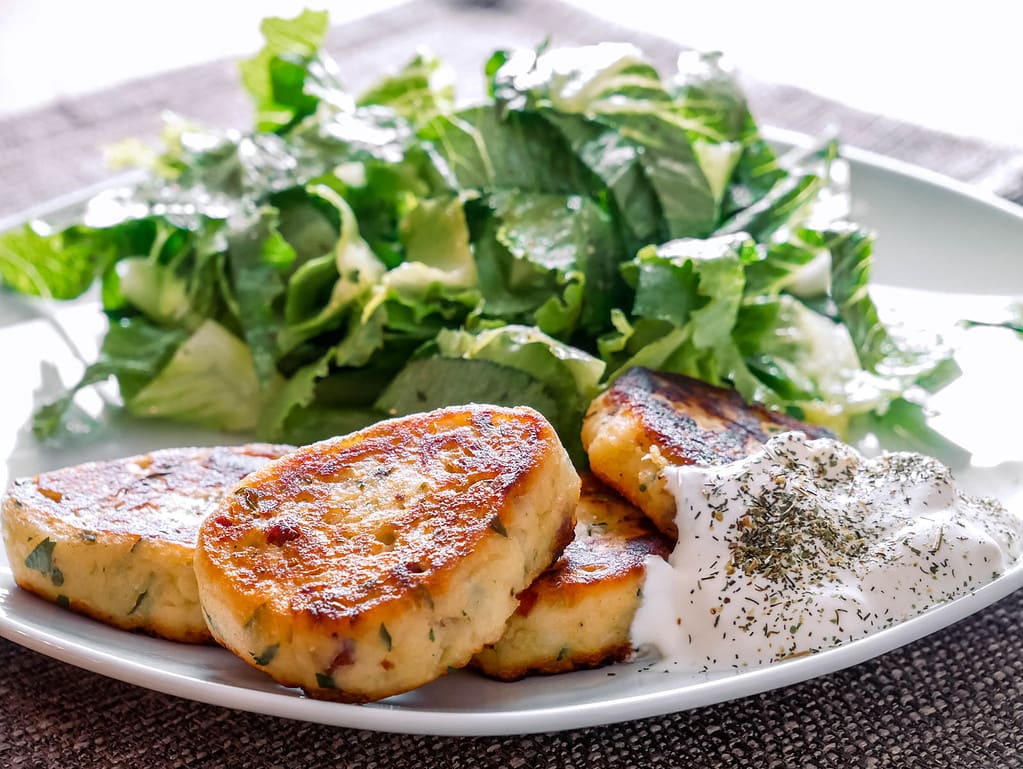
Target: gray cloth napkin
{"points": [[953, 699]]}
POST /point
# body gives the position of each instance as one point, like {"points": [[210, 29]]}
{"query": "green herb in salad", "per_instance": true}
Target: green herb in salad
{"points": [[357, 256], [1013, 321]]}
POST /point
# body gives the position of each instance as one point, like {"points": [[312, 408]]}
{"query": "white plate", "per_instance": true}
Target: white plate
{"points": [[934, 235]]}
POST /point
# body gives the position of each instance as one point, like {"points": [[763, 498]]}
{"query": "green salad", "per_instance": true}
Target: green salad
{"points": [[355, 256]]}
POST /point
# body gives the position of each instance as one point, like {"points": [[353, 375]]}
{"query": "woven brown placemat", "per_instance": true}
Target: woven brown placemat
{"points": [[954, 699]]}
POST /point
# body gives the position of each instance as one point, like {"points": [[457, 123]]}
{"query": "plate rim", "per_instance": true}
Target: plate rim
{"points": [[379, 716], [468, 723]]}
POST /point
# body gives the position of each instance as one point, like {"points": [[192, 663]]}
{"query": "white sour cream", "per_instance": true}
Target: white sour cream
{"points": [[805, 545]]}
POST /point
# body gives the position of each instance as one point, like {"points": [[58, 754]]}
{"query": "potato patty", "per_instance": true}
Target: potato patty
{"points": [[577, 614], [115, 539], [647, 420], [366, 565]]}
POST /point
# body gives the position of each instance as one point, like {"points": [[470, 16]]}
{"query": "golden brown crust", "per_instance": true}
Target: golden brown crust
{"points": [[378, 535], [160, 494], [437, 484], [647, 420], [612, 542], [577, 614], [114, 540]]}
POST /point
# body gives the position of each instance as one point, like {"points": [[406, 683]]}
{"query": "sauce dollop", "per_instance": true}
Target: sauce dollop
{"points": [[805, 545]]}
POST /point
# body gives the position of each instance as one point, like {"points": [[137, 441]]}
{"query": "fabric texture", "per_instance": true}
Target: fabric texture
{"points": [[954, 699]]}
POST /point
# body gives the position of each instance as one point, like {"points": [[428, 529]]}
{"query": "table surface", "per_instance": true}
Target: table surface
{"points": [[952, 699]]}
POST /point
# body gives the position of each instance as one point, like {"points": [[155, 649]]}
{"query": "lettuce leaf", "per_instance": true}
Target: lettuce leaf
{"points": [[717, 309], [583, 80], [322, 289], [687, 297], [551, 260], [431, 383], [614, 160], [731, 146], [1011, 324], [58, 265], [591, 215], [509, 365], [663, 150], [296, 393], [211, 380], [422, 89], [525, 348], [483, 148], [133, 350], [314, 423], [437, 250], [288, 77], [156, 290], [254, 259]]}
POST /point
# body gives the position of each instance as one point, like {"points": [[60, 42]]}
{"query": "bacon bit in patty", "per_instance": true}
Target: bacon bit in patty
{"points": [[344, 657], [527, 600], [281, 532], [51, 494]]}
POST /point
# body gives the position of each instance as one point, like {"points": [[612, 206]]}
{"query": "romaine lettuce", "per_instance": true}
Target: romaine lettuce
{"points": [[350, 257]]}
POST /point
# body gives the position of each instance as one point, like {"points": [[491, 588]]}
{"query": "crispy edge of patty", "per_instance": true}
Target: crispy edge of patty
{"points": [[647, 420], [54, 556], [578, 613], [315, 596]]}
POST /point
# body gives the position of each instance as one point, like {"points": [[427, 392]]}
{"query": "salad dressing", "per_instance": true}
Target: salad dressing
{"points": [[806, 545]]}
